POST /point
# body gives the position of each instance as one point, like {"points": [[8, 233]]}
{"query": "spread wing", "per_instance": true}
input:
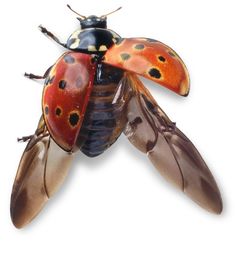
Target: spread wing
{"points": [[42, 169], [151, 59], [171, 152]]}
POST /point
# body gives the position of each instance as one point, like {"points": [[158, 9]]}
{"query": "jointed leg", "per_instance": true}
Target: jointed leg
{"points": [[25, 138], [40, 133], [53, 37], [32, 76]]}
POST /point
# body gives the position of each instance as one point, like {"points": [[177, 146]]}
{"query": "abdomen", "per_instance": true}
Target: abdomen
{"points": [[104, 118]]}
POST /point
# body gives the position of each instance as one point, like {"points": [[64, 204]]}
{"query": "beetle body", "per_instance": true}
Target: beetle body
{"points": [[92, 95]]}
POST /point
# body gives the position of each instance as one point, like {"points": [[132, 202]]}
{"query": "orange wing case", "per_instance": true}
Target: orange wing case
{"points": [[65, 97], [151, 59]]}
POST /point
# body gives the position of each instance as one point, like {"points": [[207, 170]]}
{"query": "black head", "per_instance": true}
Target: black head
{"points": [[92, 21]]}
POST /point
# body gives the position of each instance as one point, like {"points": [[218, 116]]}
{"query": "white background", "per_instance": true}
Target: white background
{"points": [[117, 204]]}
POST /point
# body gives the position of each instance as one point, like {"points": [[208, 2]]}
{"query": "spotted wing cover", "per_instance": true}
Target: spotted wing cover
{"points": [[65, 97], [151, 59], [171, 152], [42, 169]]}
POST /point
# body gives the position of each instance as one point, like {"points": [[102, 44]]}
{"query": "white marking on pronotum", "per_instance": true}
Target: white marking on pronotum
{"points": [[92, 48], [75, 34], [75, 44], [103, 48]]}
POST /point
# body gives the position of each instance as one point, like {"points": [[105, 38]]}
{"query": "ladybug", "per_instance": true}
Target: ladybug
{"points": [[92, 95]]}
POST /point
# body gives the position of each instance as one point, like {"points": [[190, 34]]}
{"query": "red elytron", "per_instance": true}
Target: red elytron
{"points": [[65, 97], [91, 96], [151, 59]]}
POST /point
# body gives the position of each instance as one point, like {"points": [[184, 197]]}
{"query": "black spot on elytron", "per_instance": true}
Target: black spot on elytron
{"points": [[73, 119], [125, 56], [172, 54], [153, 72], [58, 111], [119, 41], [161, 58], [46, 110], [139, 46], [69, 59], [62, 84]]}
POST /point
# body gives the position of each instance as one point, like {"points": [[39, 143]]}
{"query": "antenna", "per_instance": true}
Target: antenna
{"points": [[82, 16], [105, 15]]}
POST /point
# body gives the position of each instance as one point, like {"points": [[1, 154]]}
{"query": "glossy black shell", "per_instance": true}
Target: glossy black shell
{"points": [[92, 40], [105, 117]]}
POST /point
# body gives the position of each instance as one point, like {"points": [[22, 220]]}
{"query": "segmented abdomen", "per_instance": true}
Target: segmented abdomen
{"points": [[104, 118]]}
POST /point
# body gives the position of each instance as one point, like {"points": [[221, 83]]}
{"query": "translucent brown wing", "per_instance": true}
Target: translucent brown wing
{"points": [[42, 169], [171, 152]]}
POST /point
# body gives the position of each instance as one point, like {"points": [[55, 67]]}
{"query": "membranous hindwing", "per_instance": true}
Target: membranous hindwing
{"points": [[65, 97], [151, 131]]}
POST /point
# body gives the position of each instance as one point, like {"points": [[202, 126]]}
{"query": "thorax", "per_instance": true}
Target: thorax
{"points": [[92, 40]]}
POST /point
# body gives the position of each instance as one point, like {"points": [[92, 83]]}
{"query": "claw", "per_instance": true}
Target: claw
{"points": [[24, 138], [32, 76], [45, 31], [28, 75], [49, 34], [42, 29]]}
